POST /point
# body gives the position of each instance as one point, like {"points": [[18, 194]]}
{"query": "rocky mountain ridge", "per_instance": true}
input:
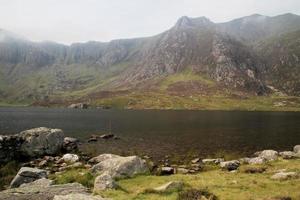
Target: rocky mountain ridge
{"points": [[239, 55]]}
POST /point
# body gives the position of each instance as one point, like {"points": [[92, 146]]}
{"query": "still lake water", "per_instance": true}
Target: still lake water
{"points": [[159, 133]]}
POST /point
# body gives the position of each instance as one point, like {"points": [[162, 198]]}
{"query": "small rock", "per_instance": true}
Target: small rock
{"points": [[230, 165], [196, 160], [93, 138], [287, 155], [27, 175], [284, 175], [107, 136], [269, 155], [279, 198], [170, 186], [103, 182], [43, 163], [167, 171], [70, 144], [70, 158]]}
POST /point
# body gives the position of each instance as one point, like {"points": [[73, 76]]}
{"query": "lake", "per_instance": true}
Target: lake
{"points": [[158, 133]]}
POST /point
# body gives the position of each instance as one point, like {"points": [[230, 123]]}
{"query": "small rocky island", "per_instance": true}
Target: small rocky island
{"points": [[50, 166]]}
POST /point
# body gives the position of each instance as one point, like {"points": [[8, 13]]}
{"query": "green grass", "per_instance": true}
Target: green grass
{"points": [[152, 100], [225, 185], [184, 76], [79, 175]]}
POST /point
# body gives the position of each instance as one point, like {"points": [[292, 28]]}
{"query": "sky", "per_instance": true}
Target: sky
{"points": [[69, 21]]}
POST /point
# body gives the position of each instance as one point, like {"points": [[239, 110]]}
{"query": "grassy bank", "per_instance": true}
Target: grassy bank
{"points": [[197, 102], [224, 185]]}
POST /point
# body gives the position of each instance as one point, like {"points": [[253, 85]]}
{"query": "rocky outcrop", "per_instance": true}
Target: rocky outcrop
{"points": [[42, 141], [112, 166], [35, 143], [27, 175]]}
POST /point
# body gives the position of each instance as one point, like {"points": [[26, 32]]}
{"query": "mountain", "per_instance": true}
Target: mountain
{"points": [[250, 56]]}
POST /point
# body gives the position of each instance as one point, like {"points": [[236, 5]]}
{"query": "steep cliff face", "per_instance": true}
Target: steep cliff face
{"points": [[244, 54]]}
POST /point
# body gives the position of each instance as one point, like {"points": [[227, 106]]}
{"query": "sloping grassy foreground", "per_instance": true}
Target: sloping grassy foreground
{"points": [[225, 185]]}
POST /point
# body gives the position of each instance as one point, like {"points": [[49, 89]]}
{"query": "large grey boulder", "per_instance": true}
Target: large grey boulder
{"points": [[269, 155], [42, 141], [112, 166], [253, 161], [27, 175], [121, 167], [297, 149]]}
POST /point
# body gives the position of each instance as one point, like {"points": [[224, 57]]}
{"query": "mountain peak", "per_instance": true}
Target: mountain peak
{"points": [[186, 21]]}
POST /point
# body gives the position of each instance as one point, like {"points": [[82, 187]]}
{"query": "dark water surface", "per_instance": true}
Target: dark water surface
{"points": [[159, 133]]}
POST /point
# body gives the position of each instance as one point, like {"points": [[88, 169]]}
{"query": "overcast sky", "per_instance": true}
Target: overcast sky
{"points": [[68, 21]]}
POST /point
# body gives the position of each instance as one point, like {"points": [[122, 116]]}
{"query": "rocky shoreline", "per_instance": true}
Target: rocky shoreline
{"points": [[46, 153]]}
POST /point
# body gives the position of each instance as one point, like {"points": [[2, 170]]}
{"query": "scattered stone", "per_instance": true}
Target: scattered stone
{"points": [[43, 182], [166, 171], [120, 167], [27, 175], [288, 155], [230, 165], [107, 136], [212, 161], [284, 175], [41, 141], [170, 186], [93, 138], [43, 163], [196, 160], [103, 182], [77, 196], [269, 155], [297, 149], [70, 158]]}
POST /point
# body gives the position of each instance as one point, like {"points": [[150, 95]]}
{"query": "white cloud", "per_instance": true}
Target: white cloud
{"points": [[82, 20]]}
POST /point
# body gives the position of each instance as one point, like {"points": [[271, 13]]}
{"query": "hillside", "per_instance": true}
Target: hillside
{"points": [[254, 57]]}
